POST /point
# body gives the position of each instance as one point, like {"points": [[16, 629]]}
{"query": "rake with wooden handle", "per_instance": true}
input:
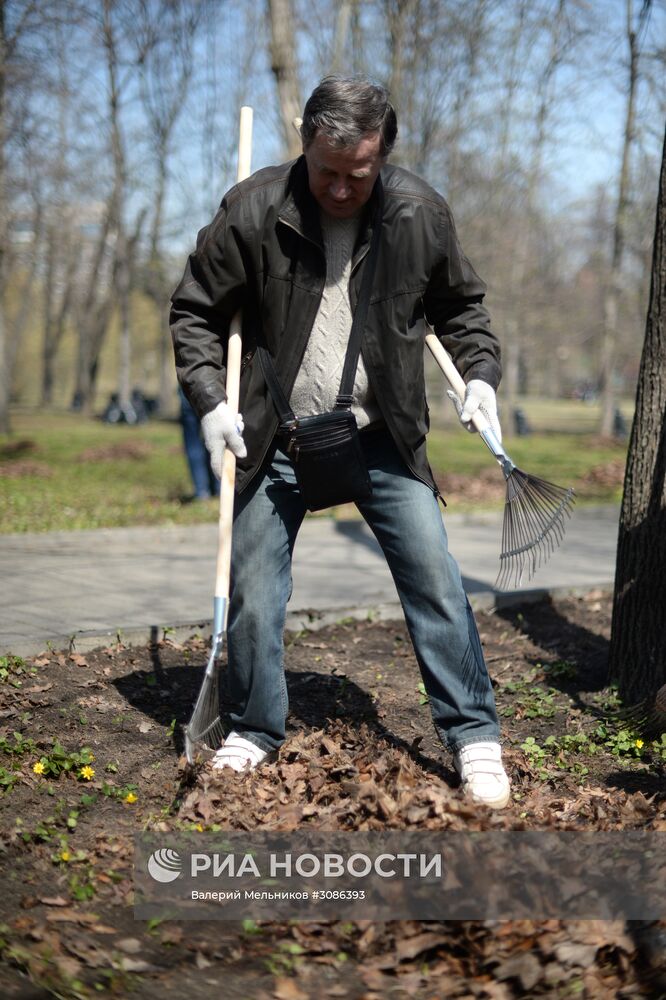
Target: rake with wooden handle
{"points": [[535, 509], [205, 726]]}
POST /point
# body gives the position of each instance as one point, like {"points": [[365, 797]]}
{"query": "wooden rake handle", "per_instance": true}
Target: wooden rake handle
{"points": [[454, 378], [479, 419], [234, 354]]}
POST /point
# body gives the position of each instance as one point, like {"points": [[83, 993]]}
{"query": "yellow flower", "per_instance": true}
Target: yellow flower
{"points": [[87, 772], [38, 768], [199, 827], [639, 744], [65, 856], [130, 797]]}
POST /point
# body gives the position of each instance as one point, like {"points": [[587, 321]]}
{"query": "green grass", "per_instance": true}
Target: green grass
{"points": [[565, 459], [61, 489], [77, 473], [564, 447]]}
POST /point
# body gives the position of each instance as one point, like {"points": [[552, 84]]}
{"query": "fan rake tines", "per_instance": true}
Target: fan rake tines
{"points": [[534, 522], [205, 729]]}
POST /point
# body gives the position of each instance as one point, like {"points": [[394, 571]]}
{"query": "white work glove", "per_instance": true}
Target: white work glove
{"points": [[478, 396], [221, 428]]}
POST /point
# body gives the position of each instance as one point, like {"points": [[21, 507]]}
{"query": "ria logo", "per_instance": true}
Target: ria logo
{"points": [[165, 865]]}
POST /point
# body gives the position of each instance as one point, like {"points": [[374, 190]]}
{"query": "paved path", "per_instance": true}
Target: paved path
{"points": [[92, 584]]}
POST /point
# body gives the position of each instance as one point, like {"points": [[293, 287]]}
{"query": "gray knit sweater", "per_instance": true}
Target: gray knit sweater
{"points": [[318, 379]]}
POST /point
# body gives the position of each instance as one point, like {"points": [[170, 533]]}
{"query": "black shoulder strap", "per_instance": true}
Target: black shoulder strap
{"points": [[345, 393], [284, 410]]}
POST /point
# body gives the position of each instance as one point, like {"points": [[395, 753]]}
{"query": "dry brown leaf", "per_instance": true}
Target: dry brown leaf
{"points": [[409, 948], [129, 964], [287, 989], [172, 935], [89, 953], [525, 967], [24, 924], [376, 980], [68, 967], [68, 915], [575, 954], [131, 946], [388, 960]]}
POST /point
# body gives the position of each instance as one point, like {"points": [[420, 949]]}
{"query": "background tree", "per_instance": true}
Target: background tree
{"points": [[114, 114], [20, 205], [4, 230], [283, 48], [638, 635], [166, 68], [613, 289]]}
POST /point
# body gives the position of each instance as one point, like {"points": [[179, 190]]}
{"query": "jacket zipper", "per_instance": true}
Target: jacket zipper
{"points": [[269, 438]]}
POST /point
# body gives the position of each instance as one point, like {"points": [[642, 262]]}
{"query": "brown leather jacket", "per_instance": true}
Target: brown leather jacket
{"points": [[263, 252]]}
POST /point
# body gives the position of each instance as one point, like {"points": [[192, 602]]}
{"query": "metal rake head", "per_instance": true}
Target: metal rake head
{"points": [[205, 727], [533, 525], [211, 737]]}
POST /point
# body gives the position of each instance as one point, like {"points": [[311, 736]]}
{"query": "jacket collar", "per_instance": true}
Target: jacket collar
{"points": [[300, 210]]}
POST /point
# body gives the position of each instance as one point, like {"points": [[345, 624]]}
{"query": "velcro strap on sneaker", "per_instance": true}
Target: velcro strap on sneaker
{"points": [[237, 752], [483, 765]]}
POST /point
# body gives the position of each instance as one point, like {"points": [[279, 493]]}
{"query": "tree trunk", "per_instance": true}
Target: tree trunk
{"points": [[285, 70], [398, 16], [122, 285], [94, 313], [342, 22], [5, 387], [122, 279], [157, 286], [638, 634], [57, 306], [26, 296], [613, 290]]}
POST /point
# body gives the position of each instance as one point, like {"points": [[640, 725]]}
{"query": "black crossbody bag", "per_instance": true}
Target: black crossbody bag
{"points": [[325, 448]]}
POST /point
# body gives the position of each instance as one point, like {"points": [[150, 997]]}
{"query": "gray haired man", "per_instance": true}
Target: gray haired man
{"points": [[290, 245]]}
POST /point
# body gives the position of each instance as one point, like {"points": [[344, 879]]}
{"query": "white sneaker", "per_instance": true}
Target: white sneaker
{"points": [[484, 780], [240, 754]]}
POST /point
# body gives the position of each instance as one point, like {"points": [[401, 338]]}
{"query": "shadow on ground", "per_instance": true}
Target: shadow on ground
{"points": [[314, 699]]}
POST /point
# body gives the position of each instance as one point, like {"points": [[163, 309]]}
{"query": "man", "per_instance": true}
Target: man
{"points": [[289, 246]]}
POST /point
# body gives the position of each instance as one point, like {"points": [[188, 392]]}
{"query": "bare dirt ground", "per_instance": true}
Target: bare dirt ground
{"points": [[104, 730]]}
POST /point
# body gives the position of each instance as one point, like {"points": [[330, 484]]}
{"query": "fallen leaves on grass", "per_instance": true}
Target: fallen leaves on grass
{"points": [[133, 450], [485, 486], [25, 467], [607, 474]]}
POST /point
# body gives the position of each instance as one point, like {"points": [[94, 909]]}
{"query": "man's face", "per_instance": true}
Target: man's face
{"points": [[341, 180]]}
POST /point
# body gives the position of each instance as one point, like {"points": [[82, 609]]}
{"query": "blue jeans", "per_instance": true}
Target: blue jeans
{"points": [[405, 517], [204, 480]]}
